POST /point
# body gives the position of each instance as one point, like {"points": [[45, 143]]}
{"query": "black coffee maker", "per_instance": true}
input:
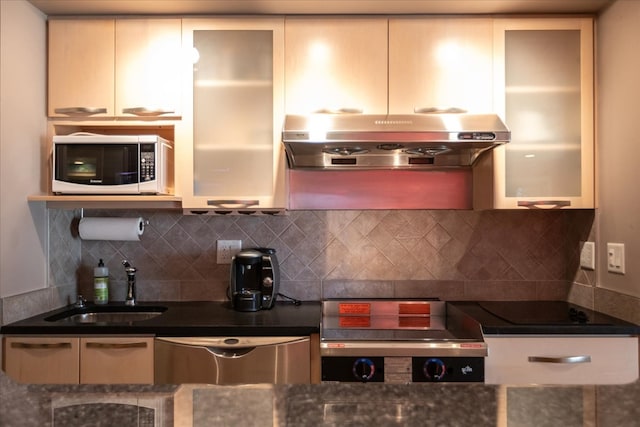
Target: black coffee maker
{"points": [[255, 276]]}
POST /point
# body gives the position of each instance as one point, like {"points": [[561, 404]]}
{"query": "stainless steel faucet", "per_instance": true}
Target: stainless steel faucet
{"points": [[131, 282]]}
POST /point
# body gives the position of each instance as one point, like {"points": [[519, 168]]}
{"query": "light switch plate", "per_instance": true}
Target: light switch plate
{"points": [[588, 256], [226, 249], [615, 258]]}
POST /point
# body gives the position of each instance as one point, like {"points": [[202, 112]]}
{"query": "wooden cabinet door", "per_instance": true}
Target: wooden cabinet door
{"points": [[148, 67], [440, 63], [544, 91], [335, 64], [42, 360], [232, 157], [81, 67], [116, 360]]}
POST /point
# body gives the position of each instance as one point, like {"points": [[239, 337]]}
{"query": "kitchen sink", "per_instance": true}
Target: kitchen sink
{"points": [[109, 314]]}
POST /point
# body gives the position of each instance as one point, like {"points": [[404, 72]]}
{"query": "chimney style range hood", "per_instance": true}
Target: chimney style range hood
{"points": [[410, 141]]}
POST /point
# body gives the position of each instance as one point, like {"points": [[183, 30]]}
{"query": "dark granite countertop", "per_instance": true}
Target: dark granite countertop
{"points": [[543, 318], [341, 404], [193, 318]]}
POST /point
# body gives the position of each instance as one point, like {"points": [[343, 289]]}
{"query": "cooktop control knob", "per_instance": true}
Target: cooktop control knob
{"points": [[434, 369], [363, 369]]}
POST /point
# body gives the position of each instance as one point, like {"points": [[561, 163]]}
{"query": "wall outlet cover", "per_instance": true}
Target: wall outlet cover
{"points": [[226, 249], [588, 256], [615, 258]]}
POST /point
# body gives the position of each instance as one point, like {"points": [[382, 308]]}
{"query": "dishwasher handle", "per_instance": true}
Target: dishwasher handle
{"points": [[230, 353]]}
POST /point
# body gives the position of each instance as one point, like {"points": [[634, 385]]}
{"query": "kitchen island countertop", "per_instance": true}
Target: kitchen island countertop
{"points": [[316, 405]]}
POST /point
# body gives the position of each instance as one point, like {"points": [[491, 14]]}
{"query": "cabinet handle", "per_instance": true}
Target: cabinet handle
{"points": [[80, 111], [116, 345], [439, 110], [344, 110], [41, 345], [143, 111], [565, 359], [234, 203], [535, 204]]}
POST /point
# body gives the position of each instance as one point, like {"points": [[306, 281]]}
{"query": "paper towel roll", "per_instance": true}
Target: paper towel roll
{"points": [[111, 228]]}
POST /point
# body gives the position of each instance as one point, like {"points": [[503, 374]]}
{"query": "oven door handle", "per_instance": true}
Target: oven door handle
{"points": [[563, 359]]}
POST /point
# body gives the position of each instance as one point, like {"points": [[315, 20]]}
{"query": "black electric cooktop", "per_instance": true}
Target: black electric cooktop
{"points": [[544, 317]]}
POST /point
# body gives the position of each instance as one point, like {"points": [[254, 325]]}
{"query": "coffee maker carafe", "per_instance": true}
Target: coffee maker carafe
{"points": [[255, 276]]}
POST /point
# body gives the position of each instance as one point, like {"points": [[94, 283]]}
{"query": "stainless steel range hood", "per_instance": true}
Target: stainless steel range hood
{"points": [[413, 142]]}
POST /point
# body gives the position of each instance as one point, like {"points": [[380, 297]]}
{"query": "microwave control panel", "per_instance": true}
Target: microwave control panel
{"points": [[147, 162]]}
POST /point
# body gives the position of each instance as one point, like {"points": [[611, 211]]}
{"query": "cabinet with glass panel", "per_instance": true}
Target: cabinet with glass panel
{"points": [[543, 72], [231, 158]]}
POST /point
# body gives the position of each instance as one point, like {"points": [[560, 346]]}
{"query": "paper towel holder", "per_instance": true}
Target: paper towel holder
{"points": [[109, 228], [145, 222]]}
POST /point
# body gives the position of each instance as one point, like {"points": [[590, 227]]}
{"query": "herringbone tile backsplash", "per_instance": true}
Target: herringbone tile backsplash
{"points": [[450, 253]]}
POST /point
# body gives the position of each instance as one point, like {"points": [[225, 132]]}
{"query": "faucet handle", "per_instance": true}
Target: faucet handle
{"points": [[81, 302], [128, 268]]}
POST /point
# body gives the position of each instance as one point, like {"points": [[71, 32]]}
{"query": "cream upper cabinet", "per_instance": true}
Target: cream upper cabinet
{"points": [[230, 155], [440, 63], [114, 68], [81, 67], [148, 67], [544, 91], [336, 64]]}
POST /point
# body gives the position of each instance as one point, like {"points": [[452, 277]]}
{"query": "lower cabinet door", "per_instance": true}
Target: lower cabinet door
{"points": [[561, 360], [42, 360], [116, 360]]}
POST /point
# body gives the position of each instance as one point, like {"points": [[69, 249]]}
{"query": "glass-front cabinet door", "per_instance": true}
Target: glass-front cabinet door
{"points": [[544, 79], [231, 152]]}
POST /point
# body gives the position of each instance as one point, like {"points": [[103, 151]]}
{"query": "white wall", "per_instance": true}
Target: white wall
{"points": [[23, 233], [618, 91]]}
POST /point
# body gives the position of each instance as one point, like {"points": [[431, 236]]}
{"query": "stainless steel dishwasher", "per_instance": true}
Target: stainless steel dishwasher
{"points": [[232, 360]]}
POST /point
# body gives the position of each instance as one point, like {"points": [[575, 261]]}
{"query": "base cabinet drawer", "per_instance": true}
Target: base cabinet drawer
{"points": [[42, 360], [116, 360], [561, 360], [79, 360]]}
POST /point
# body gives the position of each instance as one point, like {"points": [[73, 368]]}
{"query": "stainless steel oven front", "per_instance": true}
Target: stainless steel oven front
{"points": [[399, 341]]}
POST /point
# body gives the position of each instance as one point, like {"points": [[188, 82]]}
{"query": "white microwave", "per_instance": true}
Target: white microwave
{"points": [[112, 164]]}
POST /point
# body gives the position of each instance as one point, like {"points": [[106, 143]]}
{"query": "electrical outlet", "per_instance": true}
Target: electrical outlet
{"points": [[615, 257], [587, 256], [226, 250]]}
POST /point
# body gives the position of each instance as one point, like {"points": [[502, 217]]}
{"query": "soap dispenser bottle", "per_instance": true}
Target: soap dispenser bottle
{"points": [[101, 283]]}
